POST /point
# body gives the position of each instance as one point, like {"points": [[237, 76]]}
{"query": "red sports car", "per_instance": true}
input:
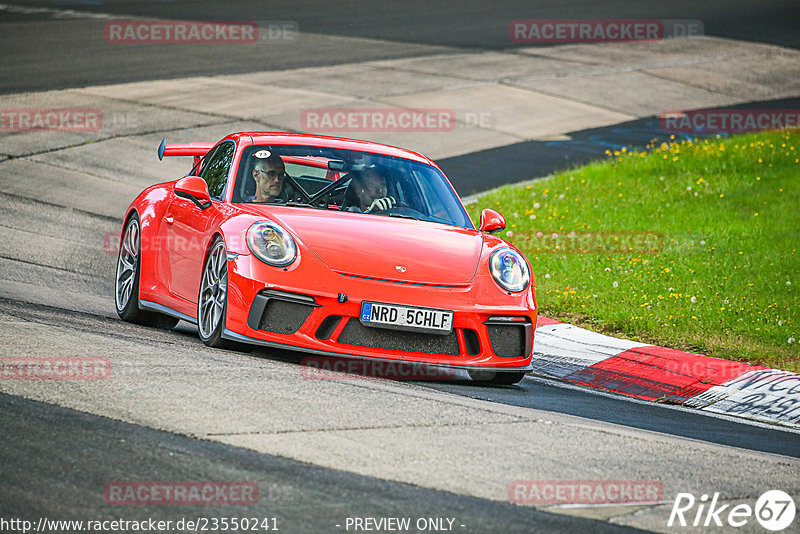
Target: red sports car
{"points": [[330, 246]]}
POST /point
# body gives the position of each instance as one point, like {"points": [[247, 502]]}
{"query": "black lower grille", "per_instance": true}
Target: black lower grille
{"points": [[472, 342], [283, 316], [355, 333], [327, 327], [507, 340]]}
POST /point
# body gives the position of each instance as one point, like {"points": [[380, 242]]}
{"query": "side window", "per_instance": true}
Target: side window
{"points": [[215, 169]]}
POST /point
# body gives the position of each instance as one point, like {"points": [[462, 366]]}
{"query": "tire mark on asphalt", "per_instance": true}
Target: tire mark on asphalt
{"points": [[107, 218], [87, 322]]}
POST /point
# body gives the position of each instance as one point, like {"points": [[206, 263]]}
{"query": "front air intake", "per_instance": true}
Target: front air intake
{"points": [[280, 312], [511, 337]]}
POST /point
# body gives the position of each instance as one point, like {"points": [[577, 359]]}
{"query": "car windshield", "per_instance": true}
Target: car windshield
{"points": [[345, 180]]}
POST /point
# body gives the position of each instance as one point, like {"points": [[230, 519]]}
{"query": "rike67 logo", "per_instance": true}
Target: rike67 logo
{"points": [[774, 510]]}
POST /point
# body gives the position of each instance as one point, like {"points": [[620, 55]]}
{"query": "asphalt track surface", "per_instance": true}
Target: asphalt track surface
{"points": [[54, 459], [546, 394], [472, 173], [31, 46], [48, 451], [33, 42]]}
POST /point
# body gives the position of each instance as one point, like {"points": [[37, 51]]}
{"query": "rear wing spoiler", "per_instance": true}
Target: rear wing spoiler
{"points": [[198, 150]]}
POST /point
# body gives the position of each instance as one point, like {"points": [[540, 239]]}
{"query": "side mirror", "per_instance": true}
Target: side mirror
{"points": [[491, 221], [195, 189]]}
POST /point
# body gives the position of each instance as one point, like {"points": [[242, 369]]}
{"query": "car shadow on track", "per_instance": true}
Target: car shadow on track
{"points": [[549, 396], [552, 396]]}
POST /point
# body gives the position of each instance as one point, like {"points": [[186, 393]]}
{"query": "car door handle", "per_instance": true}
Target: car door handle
{"points": [[169, 219]]}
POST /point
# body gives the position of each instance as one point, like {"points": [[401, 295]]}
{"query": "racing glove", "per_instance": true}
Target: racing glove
{"points": [[382, 204]]}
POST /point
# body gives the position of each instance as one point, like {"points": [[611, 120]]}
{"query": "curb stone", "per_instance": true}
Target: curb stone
{"points": [[579, 356]]}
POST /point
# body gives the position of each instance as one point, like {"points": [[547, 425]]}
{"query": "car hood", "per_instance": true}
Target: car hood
{"points": [[382, 247]]}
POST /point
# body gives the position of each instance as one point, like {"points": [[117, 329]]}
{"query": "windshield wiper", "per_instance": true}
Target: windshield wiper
{"points": [[306, 205], [402, 216]]}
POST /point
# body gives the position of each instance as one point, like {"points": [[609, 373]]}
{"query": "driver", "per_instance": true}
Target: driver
{"points": [[370, 188], [270, 175]]}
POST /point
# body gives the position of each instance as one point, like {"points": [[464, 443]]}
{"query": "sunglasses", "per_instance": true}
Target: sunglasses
{"points": [[272, 174]]}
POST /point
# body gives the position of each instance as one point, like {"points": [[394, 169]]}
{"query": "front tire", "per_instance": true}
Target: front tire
{"points": [[212, 301], [126, 281]]}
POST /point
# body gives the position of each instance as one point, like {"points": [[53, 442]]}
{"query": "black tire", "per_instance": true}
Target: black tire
{"points": [[496, 378], [212, 299], [126, 281]]}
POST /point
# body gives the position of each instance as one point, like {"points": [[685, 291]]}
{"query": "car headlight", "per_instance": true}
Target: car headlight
{"points": [[271, 243], [509, 269]]}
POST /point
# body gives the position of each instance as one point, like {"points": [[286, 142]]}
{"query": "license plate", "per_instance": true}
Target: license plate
{"points": [[432, 321]]}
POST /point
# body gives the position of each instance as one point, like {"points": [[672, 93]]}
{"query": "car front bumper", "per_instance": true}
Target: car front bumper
{"points": [[313, 309]]}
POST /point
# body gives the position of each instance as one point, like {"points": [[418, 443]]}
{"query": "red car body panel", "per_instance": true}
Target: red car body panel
{"points": [[447, 255], [446, 267]]}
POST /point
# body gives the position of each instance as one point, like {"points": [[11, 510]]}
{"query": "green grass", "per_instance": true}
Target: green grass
{"points": [[711, 232]]}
